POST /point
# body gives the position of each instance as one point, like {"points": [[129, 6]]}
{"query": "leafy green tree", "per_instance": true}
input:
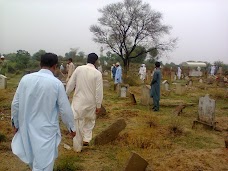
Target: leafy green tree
{"points": [[141, 58], [128, 24], [22, 59], [37, 55]]}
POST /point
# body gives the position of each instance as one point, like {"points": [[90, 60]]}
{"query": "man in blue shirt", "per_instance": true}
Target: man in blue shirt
{"points": [[39, 99]]}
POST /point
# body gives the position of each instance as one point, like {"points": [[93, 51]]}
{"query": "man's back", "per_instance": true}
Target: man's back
{"points": [[86, 81]]}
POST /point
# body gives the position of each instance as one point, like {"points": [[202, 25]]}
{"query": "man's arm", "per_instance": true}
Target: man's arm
{"points": [[155, 77], [99, 92], [65, 109], [15, 109], [71, 83]]}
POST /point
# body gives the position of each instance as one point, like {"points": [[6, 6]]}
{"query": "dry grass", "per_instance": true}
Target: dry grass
{"points": [[166, 141]]}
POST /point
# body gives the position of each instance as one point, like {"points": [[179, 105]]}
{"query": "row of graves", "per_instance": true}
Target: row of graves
{"points": [[205, 116]]}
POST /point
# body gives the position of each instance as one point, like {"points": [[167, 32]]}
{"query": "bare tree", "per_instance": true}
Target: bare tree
{"points": [[128, 24]]}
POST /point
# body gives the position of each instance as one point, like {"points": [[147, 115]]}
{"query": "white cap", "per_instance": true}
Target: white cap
{"points": [[2, 57], [117, 63]]}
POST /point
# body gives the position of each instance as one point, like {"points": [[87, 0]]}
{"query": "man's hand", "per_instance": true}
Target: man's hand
{"points": [[15, 130], [73, 134], [98, 110]]}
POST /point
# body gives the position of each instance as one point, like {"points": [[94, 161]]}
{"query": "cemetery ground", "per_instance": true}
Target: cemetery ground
{"points": [[166, 141]]}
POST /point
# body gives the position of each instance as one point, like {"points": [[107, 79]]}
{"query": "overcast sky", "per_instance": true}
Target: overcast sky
{"points": [[58, 25]]}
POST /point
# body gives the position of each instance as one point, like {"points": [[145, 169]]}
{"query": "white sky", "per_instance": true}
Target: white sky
{"points": [[58, 25]]}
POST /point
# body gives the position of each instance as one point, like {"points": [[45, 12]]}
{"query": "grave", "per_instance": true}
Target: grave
{"points": [[173, 76], [123, 91], [206, 112], [180, 89], [133, 100], [165, 85], [200, 80], [136, 163], [190, 83], [105, 73], [106, 84], [3, 82], [110, 133], [145, 98]]}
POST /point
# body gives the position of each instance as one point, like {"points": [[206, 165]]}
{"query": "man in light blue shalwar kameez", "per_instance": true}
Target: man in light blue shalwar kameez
{"points": [[118, 75], [39, 99]]}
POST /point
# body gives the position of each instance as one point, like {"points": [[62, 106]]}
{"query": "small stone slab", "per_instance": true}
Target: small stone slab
{"points": [[110, 133], [136, 163], [179, 109], [132, 96]]}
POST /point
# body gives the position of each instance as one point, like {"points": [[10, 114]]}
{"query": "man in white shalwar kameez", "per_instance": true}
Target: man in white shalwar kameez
{"points": [[88, 84], [179, 72], [142, 72], [38, 100], [70, 69]]}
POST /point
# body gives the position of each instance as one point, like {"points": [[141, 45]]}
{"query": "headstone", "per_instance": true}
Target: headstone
{"points": [[136, 163], [180, 89], [105, 73], [106, 84], [190, 83], [194, 73], [220, 70], [132, 96], [206, 111], [110, 133], [173, 76], [145, 98], [3, 82], [165, 85], [200, 80], [186, 78], [123, 91]]}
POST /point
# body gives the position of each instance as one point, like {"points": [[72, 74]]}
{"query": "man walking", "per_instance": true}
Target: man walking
{"points": [[155, 86], [38, 100], [70, 69], [88, 84]]}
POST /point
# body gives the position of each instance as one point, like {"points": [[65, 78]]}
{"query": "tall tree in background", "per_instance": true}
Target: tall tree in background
{"points": [[37, 55], [128, 24], [22, 59]]}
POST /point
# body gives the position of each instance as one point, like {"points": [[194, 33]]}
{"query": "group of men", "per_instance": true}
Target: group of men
{"points": [[37, 103], [116, 73], [40, 98]]}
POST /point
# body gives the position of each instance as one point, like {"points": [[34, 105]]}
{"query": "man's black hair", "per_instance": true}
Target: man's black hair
{"points": [[48, 60], [70, 59], [157, 64], [92, 58]]}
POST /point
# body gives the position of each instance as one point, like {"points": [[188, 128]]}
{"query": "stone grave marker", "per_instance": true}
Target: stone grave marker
{"points": [[110, 133], [106, 84], [190, 83], [200, 80], [136, 163], [180, 89], [3, 82], [105, 73], [173, 76], [165, 85], [133, 100], [145, 98], [123, 91], [206, 112]]}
